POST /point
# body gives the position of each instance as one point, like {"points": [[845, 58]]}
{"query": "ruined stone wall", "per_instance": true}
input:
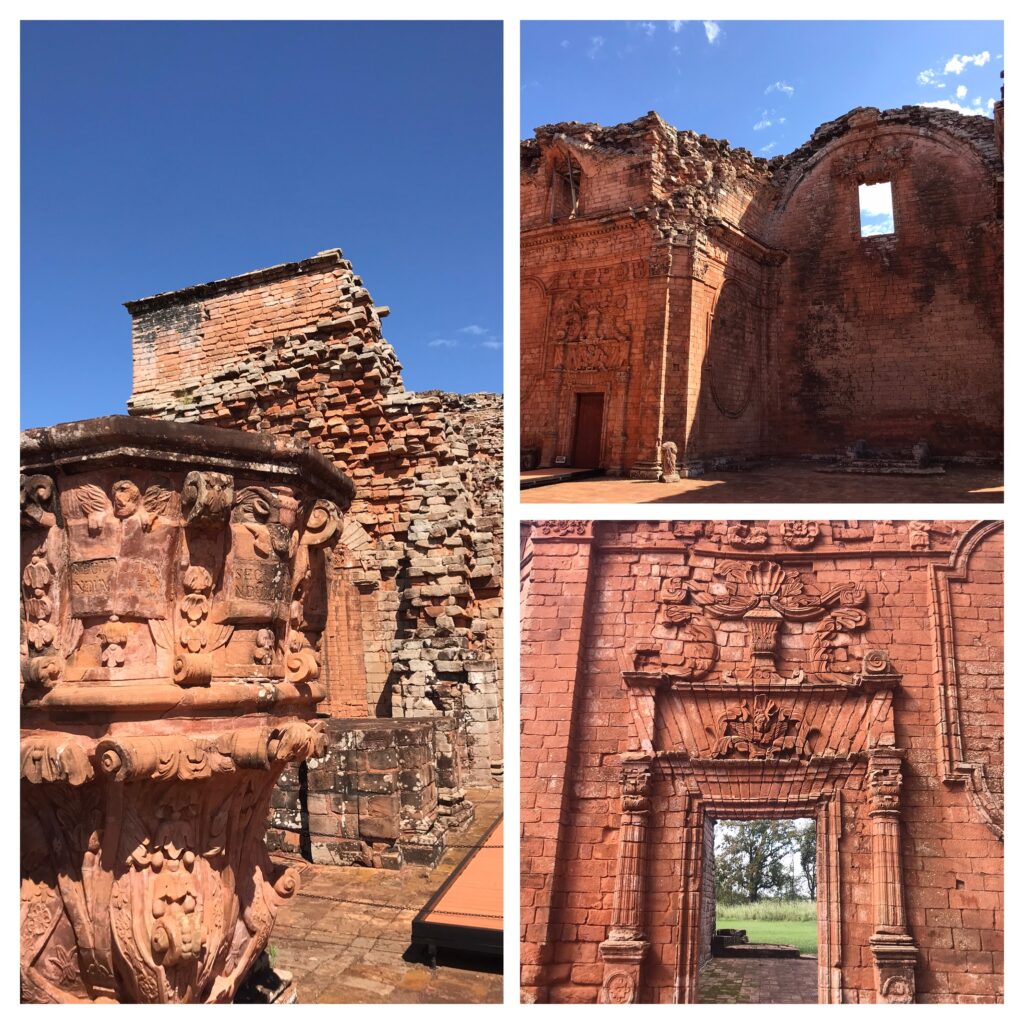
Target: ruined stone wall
{"points": [[636, 663], [385, 793], [892, 336], [298, 349], [764, 324]]}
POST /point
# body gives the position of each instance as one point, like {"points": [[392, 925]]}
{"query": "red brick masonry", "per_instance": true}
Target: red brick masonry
{"points": [[674, 673], [725, 304]]}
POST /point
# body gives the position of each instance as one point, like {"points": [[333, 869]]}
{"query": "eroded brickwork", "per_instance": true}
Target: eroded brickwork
{"points": [[728, 304], [414, 619], [675, 672]]}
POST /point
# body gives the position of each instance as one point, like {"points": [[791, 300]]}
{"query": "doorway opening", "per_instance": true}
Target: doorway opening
{"points": [[586, 446], [760, 912]]}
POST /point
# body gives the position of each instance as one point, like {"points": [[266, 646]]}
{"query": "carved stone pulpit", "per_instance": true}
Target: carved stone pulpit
{"points": [[173, 585]]}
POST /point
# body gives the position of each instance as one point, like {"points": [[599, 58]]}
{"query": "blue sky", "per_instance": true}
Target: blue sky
{"points": [[157, 155], [763, 85]]}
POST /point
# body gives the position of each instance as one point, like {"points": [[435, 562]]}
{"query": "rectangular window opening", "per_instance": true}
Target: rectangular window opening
{"points": [[876, 209]]}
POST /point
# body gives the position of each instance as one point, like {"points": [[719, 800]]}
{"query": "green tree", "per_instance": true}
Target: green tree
{"points": [[751, 860], [807, 851]]}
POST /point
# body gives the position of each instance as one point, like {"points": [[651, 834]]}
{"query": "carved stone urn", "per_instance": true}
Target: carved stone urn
{"points": [[173, 595]]}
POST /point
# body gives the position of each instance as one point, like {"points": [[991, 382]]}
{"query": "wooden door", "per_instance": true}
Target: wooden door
{"points": [[586, 445]]}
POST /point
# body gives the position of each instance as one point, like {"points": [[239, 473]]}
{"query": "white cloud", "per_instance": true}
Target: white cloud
{"points": [[957, 63], [875, 229], [648, 27], [958, 108], [767, 120], [961, 91], [490, 343], [991, 103], [876, 200], [565, 44], [977, 101], [767, 149], [473, 329], [712, 30], [927, 77], [596, 42], [676, 26], [780, 87], [442, 343]]}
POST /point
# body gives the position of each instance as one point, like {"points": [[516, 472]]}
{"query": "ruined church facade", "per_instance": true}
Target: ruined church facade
{"points": [[677, 291], [675, 674]]}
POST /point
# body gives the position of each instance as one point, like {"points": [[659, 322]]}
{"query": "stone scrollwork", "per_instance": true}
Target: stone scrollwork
{"points": [[764, 596]]}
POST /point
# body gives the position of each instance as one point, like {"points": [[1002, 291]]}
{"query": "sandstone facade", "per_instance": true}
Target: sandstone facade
{"points": [[675, 673], [174, 596], [678, 291], [297, 349]]}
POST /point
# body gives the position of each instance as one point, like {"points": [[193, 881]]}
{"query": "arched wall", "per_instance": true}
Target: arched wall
{"points": [[896, 337]]}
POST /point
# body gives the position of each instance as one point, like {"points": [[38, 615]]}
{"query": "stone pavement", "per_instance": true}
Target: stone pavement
{"points": [[726, 980], [342, 947], [785, 482]]}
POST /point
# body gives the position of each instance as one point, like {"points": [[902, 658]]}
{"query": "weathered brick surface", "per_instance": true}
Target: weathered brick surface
{"points": [[728, 304], [637, 655], [415, 609]]}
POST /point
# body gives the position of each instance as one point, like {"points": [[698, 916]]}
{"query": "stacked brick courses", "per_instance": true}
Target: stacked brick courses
{"points": [[728, 304], [884, 687], [298, 349]]}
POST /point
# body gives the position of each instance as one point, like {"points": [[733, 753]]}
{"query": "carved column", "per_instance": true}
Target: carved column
{"points": [[624, 950], [892, 946], [172, 620]]}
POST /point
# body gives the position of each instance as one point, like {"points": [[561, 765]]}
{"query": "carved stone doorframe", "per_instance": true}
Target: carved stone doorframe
{"points": [[699, 789], [826, 810]]}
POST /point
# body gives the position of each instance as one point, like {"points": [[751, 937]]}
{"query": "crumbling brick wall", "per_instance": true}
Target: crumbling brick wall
{"points": [[298, 349], [879, 701], [727, 303]]}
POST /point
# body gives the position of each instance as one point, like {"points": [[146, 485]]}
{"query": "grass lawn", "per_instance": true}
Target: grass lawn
{"points": [[802, 934]]}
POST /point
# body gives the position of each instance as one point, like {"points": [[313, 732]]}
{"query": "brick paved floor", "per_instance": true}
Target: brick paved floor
{"points": [[784, 482], [342, 951], [727, 980]]}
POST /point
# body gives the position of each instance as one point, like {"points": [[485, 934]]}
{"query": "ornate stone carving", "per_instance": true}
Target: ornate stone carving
{"points": [[197, 639], [39, 506], [764, 595], [892, 946], [683, 642], [800, 533], [570, 528], [745, 536], [669, 460], [207, 497], [591, 316], [145, 876], [759, 730], [626, 946]]}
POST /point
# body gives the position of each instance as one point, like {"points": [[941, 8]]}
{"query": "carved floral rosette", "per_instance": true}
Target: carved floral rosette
{"points": [[173, 602]]}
